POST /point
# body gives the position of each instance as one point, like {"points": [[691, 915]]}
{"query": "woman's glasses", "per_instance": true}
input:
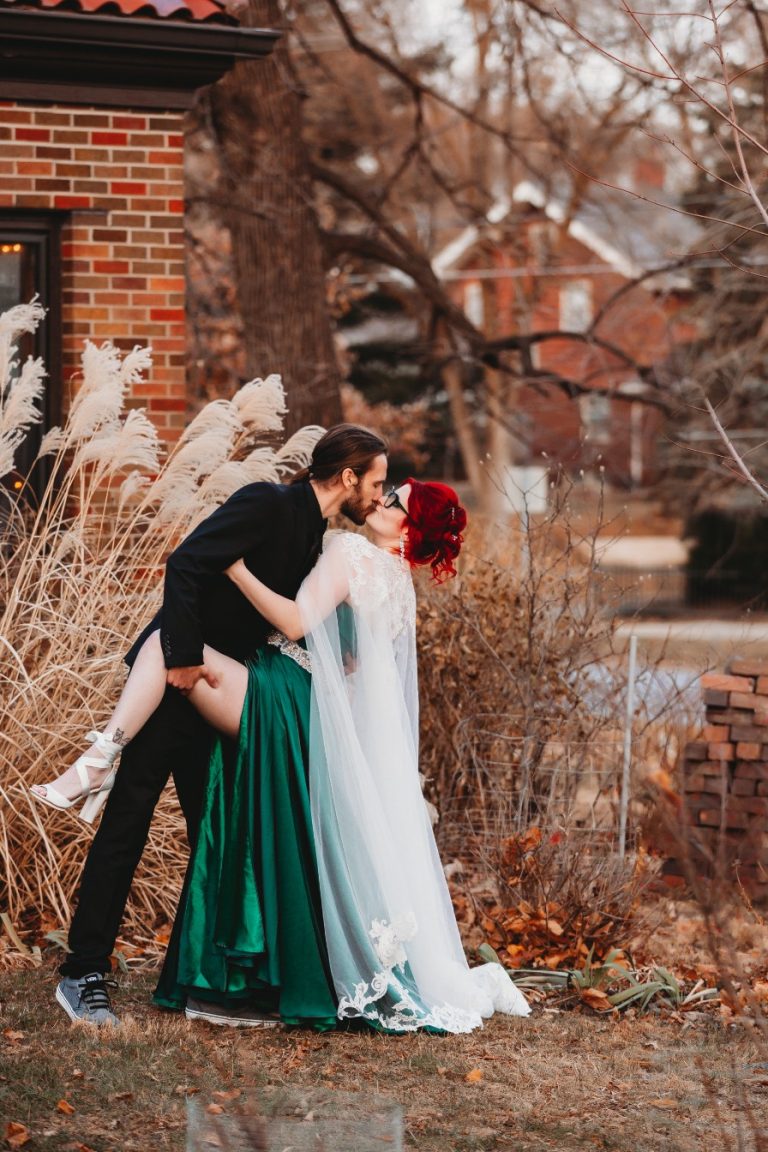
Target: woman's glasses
{"points": [[392, 500]]}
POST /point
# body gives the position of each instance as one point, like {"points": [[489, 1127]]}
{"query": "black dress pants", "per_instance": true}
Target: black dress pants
{"points": [[175, 740]]}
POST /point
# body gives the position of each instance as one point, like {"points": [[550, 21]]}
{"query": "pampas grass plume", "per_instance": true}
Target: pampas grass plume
{"points": [[219, 416], [260, 404], [20, 408], [13, 323], [296, 453], [99, 400], [133, 443]]}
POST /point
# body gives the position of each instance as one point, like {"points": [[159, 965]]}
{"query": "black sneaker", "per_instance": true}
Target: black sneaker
{"points": [[234, 1015], [86, 998]]}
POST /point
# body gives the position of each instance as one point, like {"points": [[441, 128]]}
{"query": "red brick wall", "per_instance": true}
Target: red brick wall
{"points": [[724, 780], [119, 177]]}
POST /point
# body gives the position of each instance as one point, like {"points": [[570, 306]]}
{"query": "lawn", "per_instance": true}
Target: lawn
{"points": [[561, 1079]]}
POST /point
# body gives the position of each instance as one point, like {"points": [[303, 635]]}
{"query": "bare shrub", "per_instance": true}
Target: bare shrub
{"points": [[523, 700]]}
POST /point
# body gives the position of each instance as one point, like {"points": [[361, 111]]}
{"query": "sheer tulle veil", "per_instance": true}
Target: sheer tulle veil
{"points": [[394, 947]]}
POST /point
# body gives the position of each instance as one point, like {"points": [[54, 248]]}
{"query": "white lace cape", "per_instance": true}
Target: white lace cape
{"points": [[393, 943]]}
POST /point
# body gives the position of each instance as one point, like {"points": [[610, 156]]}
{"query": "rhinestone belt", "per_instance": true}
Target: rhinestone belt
{"points": [[291, 648]]}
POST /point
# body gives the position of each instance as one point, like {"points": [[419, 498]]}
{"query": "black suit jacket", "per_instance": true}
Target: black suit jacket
{"points": [[278, 530]]}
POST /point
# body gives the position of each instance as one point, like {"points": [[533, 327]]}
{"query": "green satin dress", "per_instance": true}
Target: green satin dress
{"points": [[249, 925]]}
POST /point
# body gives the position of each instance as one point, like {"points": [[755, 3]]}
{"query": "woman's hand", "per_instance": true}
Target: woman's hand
{"points": [[236, 571]]}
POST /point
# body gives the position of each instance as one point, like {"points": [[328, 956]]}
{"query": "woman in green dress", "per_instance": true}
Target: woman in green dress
{"points": [[316, 888]]}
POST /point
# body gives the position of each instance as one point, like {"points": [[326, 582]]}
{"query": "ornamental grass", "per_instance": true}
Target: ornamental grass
{"points": [[83, 538]]}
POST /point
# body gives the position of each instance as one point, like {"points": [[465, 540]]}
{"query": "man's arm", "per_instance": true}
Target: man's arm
{"points": [[245, 522]]}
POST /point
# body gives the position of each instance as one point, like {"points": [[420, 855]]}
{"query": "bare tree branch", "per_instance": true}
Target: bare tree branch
{"points": [[732, 452]]}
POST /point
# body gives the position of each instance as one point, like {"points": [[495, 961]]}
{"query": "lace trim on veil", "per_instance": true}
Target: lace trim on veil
{"points": [[403, 1012]]}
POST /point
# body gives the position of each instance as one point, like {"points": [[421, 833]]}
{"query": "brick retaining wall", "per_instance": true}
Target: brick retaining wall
{"points": [[724, 779]]}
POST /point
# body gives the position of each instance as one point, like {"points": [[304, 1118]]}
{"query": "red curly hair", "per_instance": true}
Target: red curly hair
{"points": [[435, 522]]}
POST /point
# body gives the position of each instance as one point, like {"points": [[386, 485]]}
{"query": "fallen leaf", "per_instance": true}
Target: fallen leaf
{"points": [[296, 1058], [442, 1071], [596, 999], [474, 1076], [555, 959], [16, 1135], [11, 1036], [65, 1107], [514, 952], [123, 1096], [231, 1095], [215, 1109]]}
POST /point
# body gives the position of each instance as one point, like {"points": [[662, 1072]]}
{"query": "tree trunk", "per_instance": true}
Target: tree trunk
{"points": [[453, 382], [276, 249], [501, 447]]}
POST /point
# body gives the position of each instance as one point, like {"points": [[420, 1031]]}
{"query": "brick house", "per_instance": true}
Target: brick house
{"points": [[92, 100], [536, 269]]}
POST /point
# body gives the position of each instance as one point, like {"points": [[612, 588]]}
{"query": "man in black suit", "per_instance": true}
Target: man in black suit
{"points": [[278, 529]]}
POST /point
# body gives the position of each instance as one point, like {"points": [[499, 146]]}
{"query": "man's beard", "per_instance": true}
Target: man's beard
{"points": [[356, 509]]}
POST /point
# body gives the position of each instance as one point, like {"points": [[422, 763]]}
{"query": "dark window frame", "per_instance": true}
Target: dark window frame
{"points": [[42, 231]]}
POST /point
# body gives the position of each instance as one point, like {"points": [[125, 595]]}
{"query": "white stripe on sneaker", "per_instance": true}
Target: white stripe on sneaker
{"points": [[212, 1017]]}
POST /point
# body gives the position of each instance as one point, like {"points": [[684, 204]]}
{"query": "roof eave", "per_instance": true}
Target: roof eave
{"points": [[54, 56]]}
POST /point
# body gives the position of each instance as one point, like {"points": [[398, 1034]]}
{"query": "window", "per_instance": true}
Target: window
{"points": [[474, 304], [576, 308], [595, 412], [541, 238], [29, 266]]}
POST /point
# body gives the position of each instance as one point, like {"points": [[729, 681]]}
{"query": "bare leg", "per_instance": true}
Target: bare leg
{"points": [[145, 687], [221, 706], [141, 695]]}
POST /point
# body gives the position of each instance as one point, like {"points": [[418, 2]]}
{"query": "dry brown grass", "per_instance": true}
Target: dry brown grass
{"points": [[512, 714], [555, 1081]]}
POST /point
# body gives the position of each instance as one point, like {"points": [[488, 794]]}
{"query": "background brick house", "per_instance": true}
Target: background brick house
{"points": [[92, 100], [537, 268]]}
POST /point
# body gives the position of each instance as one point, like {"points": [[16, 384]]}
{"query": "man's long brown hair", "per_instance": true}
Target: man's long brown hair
{"points": [[343, 446]]}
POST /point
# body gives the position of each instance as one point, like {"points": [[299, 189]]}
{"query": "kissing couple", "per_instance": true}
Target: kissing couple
{"points": [[278, 686]]}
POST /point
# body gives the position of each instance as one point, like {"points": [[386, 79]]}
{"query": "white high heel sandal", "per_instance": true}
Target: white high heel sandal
{"points": [[95, 795]]}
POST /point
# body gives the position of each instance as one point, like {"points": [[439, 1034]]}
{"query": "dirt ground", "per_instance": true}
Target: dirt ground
{"points": [[560, 1079]]}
